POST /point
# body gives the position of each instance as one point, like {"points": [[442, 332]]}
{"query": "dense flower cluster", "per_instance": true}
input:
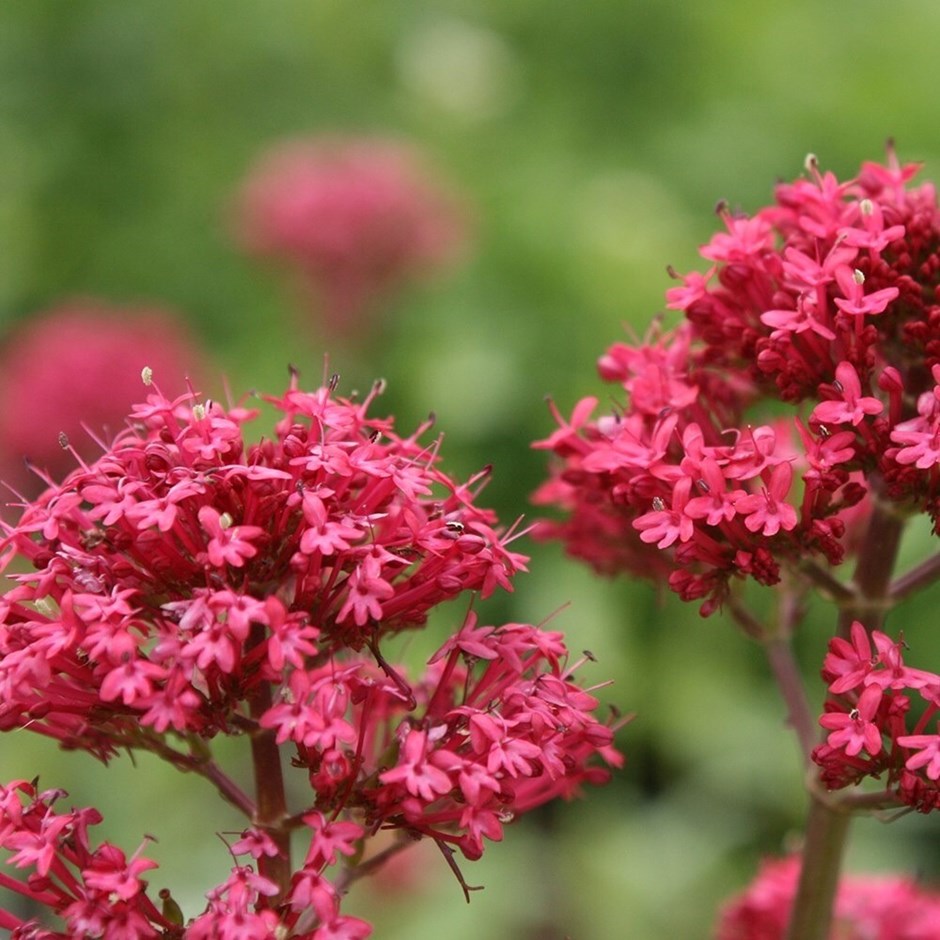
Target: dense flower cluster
{"points": [[872, 729], [355, 218], [76, 366], [187, 584], [867, 907], [825, 301]]}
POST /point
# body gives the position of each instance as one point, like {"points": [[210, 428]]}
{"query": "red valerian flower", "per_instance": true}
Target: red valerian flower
{"points": [[355, 218], [189, 584], [873, 730], [821, 308], [866, 907]]}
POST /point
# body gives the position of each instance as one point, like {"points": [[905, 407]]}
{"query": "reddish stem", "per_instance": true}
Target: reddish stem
{"points": [[271, 814], [827, 826]]}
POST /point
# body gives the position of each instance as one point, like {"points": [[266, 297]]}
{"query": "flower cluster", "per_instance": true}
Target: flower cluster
{"points": [[76, 366], [872, 729], [825, 301], [187, 584], [866, 908], [355, 218]]}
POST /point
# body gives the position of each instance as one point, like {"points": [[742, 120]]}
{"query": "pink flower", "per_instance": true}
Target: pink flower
{"points": [[768, 511], [855, 301], [853, 406], [665, 526], [866, 906], [419, 777], [355, 218], [849, 662], [927, 747], [77, 366], [856, 731]]}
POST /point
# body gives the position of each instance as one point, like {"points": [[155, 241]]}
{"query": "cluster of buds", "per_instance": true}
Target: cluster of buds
{"points": [[187, 584], [866, 907], [355, 218], [873, 732], [825, 301]]}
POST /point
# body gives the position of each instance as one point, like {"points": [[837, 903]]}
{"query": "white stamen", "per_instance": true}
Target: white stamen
{"points": [[858, 277], [146, 376]]}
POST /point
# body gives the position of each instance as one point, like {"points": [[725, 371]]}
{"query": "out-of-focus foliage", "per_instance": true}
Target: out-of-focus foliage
{"points": [[592, 141]]}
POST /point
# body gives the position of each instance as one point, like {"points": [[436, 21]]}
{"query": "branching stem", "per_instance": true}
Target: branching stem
{"points": [[828, 823]]}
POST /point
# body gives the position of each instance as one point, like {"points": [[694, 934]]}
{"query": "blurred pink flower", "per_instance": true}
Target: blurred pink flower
{"points": [[75, 367], [867, 907], [355, 218]]}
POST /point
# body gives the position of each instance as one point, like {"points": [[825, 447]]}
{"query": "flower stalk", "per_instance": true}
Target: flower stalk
{"points": [[822, 308]]}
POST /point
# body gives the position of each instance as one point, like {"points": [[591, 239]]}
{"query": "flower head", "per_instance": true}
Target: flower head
{"points": [[355, 218], [820, 308], [189, 584]]}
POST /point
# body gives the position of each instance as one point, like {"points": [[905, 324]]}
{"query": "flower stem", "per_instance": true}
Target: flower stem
{"points": [[783, 665], [917, 578], [826, 833], [271, 814], [827, 825]]}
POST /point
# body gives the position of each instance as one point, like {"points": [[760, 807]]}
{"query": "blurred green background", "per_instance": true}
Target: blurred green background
{"points": [[592, 141]]}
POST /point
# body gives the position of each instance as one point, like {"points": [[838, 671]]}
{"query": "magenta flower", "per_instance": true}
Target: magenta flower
{"points": [[927, 756], [855, 301], [869, 711], [856, 730], [188, 584], [768, 512], [355, 219], [851, 407]]}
